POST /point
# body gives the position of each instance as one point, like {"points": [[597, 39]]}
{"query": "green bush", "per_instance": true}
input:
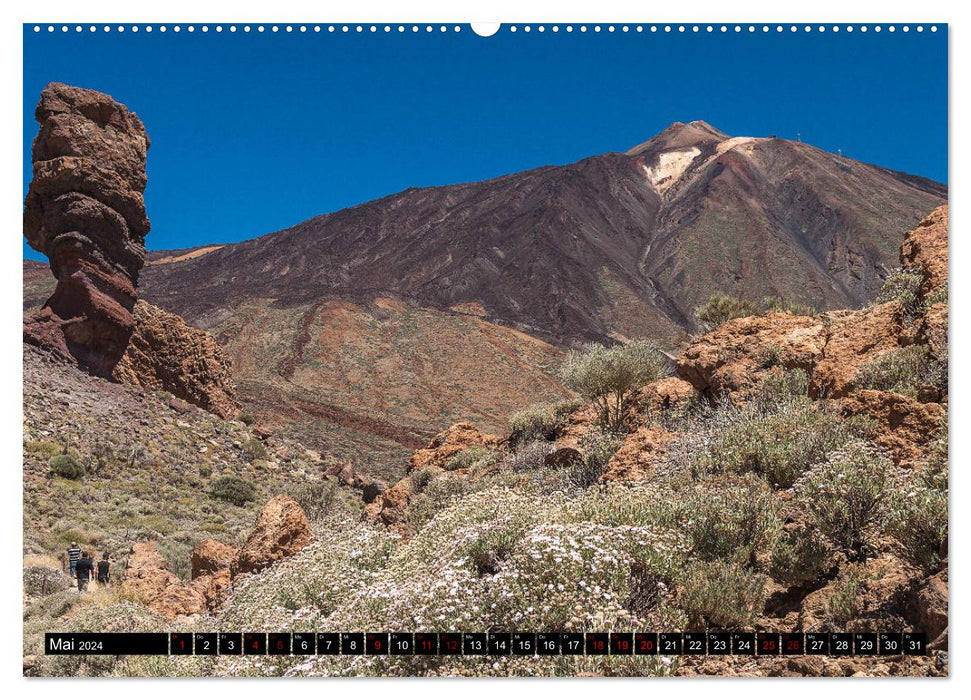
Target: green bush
{"points": [[474, 458], [904, 371], [721, 308], [597, 447], [799, 557], [44, 580], [721, 594], [246, 419], [44, 449], [788, 307], [609, 376], [903, 286], [917, 519], [734, 523], [845, 496], [540, 422], [254, 450], [843, 604], [232, 489], [67, 466], [778, 446]]}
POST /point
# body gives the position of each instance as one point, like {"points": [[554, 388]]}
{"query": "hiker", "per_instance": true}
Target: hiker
{"points": [[84, 569], [103, 566], [73, 554]]}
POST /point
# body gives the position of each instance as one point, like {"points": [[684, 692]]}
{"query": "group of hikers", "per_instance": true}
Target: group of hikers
{"points": [[83, 569]]}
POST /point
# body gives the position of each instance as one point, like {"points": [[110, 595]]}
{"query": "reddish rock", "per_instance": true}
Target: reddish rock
{"points": [[664, 394], [166, 354], [854, 339], [209, 556], [449, 443], [562, 457], [86, 212], [637, 454], [734, 357], [578, 424], [904, 426], [281, 531], [931, 612], [390, 506], [213, 587], [932, 328], [149, 579], [925, 249]]}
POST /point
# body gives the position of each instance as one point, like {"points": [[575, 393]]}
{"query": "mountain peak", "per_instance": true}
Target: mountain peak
{"points": [[681, 135]]}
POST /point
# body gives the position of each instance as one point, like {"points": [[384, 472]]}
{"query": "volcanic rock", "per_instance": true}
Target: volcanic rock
{"points": [[281, 531], [925, 249], [633, 460], [86, 212], [166, 354], [854, 338], [149, 579], [209, 556], [447, 444]]}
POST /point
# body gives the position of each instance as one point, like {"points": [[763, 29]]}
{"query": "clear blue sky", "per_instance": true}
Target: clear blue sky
{"points": [[252, 133]]}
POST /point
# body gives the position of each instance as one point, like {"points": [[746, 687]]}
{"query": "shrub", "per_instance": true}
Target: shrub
{"points": [[232, 489], [787, 307], [540, 422], [917, 519], [904, 371], [903, 286], [44, 580], [846, 495], [66, 466], [734, 524], [721, 594], [721, 308], [205, 471], [842, 605], [254, 449], [44, 449], [779, 446], [246, 419], [473, 458], [317, 498], [799, 557], [530, 458], [609, 376], [597, 448]]}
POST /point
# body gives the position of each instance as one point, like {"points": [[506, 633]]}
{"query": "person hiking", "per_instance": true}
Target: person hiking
{"points": [[103, 566], [84, 569], [73, 554]]}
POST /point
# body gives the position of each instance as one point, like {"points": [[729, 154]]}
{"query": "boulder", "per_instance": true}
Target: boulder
{"points": [[664, 394], [166, 354], [209, 556], [636, 456], [904, 427], [854, 339], [449, 443], [213, 587], [734, 356], [925, 249], [281, 531], [372, 489], [149, 579], [930, 613], [85, 211]]}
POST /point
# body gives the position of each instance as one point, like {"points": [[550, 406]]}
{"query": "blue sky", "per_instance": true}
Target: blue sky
{"points": [[252, 133]]}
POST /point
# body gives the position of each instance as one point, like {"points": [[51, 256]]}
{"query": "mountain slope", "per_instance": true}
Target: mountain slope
{"points": [[613, 245]]}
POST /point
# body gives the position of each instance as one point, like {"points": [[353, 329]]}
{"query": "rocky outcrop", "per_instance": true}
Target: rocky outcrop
{"points": [[639, 451], [166, 354], [903, 426], [854, 338], [281, 530], [449, 443], [210, 556], [149, 579], [663, 394], [86, 212], [733, 357], [925, 249]]}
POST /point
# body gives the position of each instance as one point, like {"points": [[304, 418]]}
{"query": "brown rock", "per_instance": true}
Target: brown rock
{"points": [[932, 328], [86, 212], [449, 443], [854, 339], [390, 506], [905, 427], [733, 357], [149, 579], [931, 612], [561, 457], [578, 424], [925, 249], [664, 394], [281, 531], [639, 451], [209, 556], [166, 354], [213, 587], [372, 489]]}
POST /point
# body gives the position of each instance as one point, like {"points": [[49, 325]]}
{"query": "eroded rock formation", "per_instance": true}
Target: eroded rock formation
{"points": [[281, 530], [85, 211], [166, 354]]}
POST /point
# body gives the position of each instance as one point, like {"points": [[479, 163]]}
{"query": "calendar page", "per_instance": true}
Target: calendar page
{"points": [[517, 349]]}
